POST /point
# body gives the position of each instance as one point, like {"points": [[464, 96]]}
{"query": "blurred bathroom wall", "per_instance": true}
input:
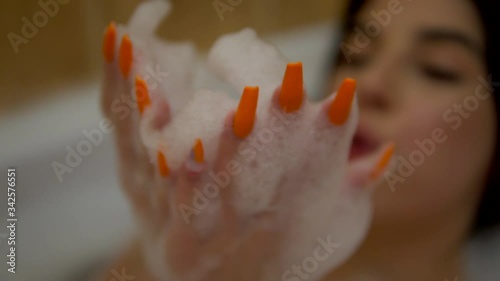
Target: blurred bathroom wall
{"points": [[48, 43]]}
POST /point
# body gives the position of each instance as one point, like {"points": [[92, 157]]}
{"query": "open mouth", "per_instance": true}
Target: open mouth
{"points": [[363, 145]]}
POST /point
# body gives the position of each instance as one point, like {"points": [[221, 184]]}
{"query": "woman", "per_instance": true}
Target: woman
{"points": [[416, 75], [423, 70]]}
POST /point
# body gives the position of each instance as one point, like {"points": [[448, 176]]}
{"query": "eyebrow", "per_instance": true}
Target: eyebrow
{"points": [[443, 35]]}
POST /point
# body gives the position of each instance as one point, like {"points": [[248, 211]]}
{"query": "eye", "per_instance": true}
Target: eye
{"points": [[440, 74]]}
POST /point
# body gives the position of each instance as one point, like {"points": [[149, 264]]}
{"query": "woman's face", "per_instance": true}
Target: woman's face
{"points": [[422, 83]]}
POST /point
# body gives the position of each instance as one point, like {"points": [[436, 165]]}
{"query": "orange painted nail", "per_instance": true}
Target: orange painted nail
{"points": [[162, 164], [383, 162], [341, 106], [125, 61], [245, 115], [292, 89], [141, 94], [108, 48], [198, 154]]}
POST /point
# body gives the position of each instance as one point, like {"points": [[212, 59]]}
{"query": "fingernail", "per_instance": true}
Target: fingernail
{"points": [[341, 105], [197, 153], [162, 165], [292, 89], [195, 163], [245, 115], [108, 48], [383, 162], [125, 56], [141, 94]]}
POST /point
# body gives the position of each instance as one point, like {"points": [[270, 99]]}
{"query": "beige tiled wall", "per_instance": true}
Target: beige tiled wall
{"points": [[67, 48]]}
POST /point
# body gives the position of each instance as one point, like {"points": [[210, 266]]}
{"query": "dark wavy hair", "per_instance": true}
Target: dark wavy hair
{"points": [[488, 213]]}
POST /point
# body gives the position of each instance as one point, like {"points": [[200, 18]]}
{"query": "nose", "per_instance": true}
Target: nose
{"points": [[376, 87]]}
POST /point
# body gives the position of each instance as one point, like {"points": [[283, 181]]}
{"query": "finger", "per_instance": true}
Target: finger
{"points": [[335, 125], [370, 171], [332, 130], [120, 88], [224, 165], [111, 77], [286, 118], [154, 111], [189, 203], [162, 189], [224, 243]]}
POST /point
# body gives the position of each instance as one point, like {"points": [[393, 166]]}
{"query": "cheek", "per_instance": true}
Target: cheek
{"points": [[442, 155]]}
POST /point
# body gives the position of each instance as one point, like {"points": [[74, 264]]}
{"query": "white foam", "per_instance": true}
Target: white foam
{"points": [[148, 16], [242, 59]]}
